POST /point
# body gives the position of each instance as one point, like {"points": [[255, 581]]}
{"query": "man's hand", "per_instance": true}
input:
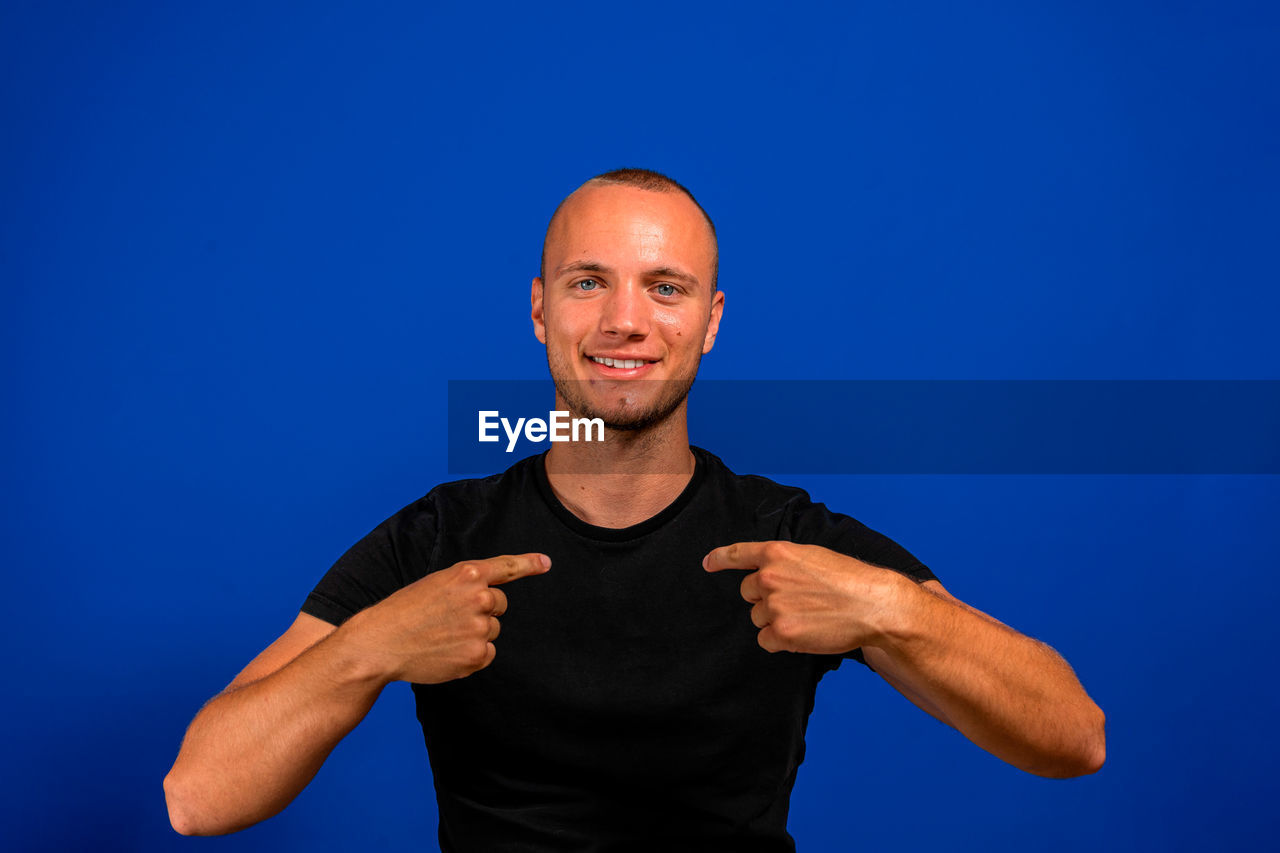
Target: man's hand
{"points": [[808, 598], [442, 626], [1011, 695]]}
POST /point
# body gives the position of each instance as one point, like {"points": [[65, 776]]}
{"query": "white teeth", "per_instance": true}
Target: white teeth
{"points": [[624, 363]]}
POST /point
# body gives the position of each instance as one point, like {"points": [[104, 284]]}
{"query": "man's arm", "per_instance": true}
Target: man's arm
{"points": [[1011, 695], [257, 744]]}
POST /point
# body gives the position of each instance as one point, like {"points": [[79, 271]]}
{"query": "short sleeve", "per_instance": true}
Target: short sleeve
{"points": [[392, 555], [812, 523]]}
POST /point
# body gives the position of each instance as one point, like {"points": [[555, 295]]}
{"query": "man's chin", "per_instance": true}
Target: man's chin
{"points": [[635, 424], [629, 417], [632, 420], [625, 407]]}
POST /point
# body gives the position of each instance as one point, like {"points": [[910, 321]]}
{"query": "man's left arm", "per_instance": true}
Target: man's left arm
{"points": [[1008, 693]]}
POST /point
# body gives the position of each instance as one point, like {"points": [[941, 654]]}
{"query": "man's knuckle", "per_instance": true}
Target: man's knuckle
{"points": [[476, 652]]}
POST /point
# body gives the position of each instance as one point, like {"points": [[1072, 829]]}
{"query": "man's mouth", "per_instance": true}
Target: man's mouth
{"points": [[624, 363]]}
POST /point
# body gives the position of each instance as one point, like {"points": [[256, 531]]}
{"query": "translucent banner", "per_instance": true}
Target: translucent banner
{"points": [[898, 426]]}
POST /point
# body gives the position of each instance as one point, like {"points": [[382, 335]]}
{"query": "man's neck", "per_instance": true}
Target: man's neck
{"points": [[628, 478]]}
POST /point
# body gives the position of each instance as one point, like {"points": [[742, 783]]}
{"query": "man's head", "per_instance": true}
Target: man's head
{"points": [[643, 179], [627, 293]]}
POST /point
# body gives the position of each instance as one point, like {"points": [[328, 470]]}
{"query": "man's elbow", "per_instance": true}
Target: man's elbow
{"points": [[183, 817], [179, 817], [1095, 754], [1087, 756]]}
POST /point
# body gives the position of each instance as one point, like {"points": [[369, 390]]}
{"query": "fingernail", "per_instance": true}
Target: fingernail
{"points": [[545, 560]]}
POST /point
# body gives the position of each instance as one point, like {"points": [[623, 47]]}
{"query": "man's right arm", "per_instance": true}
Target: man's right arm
{"points": [[256, 745]]}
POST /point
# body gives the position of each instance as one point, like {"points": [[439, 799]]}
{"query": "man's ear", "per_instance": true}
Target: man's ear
{"points": [[535, 299], [713, 325]]}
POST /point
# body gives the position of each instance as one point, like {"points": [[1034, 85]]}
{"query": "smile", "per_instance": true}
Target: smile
{"points": [[624, 363]]}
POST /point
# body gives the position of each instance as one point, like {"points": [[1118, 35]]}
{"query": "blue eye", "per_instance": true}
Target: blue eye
{"points": [[669, 291], [583, 285]]}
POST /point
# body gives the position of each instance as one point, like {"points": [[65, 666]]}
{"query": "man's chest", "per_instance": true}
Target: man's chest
{"points": [[635, 662]]}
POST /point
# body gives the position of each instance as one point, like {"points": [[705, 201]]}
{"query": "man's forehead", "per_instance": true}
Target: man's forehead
{"points": [[596, 215]]}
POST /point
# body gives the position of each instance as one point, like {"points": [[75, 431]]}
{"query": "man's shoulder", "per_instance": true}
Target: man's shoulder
{"points": [[798, 518], [759, 491], [796, 515]]}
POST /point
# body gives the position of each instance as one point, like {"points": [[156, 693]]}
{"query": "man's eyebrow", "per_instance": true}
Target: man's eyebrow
{"points": [[583, 266], [670, 272], [656, 272]]}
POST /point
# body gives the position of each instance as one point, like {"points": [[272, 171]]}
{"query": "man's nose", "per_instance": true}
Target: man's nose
{"points": [[625, 311]]}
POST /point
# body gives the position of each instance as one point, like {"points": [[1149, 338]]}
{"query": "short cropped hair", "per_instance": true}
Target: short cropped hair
{"points": [[644, 179]]}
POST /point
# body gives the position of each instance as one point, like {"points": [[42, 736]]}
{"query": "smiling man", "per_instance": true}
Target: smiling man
{"points": [[615, 645]]}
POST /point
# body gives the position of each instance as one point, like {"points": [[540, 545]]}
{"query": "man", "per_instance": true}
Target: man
{"points": [[615, 644]]}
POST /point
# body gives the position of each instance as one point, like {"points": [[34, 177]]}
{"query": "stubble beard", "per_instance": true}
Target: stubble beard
{"points": [[627, 415]]}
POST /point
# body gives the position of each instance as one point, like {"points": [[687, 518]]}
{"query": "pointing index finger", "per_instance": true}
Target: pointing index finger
{"points": [[739, 555], [509, 567]]}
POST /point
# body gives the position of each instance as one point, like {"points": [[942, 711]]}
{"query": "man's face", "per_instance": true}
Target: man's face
{"points": [[628, 279]]}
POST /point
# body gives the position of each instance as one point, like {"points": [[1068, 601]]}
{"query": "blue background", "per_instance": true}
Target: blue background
{"points": [[243, 247]]}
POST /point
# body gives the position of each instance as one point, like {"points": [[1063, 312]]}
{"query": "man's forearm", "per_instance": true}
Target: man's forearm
{"points": [[1011, 695], [253, 748]]}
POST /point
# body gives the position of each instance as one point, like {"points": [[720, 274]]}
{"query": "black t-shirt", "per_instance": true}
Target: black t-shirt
{"points": [[629, 706]]}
